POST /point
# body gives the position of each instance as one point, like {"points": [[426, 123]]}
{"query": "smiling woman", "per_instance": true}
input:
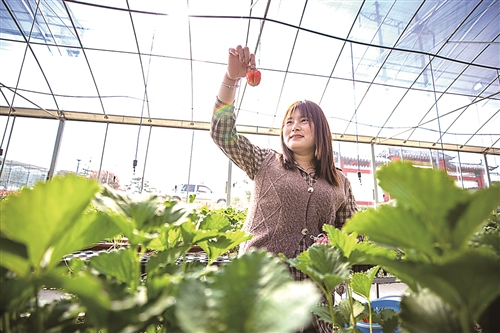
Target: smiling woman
{"points": [[296, 192]]}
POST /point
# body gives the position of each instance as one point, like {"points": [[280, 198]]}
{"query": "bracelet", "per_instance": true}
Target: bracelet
{"points": [[227, 77], [230, 86]]}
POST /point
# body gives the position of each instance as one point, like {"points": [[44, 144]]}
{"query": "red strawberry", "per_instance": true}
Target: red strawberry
{"points": [[253, 77]]}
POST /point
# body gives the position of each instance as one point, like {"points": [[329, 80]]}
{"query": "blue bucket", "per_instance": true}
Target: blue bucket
{"points": [[388, 302]]}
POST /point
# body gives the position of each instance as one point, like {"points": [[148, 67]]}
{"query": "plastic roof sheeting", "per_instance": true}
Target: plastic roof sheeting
{"points": [[416, 73]]}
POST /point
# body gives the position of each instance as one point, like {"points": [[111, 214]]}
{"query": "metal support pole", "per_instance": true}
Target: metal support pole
{"points": [[229, 182], [487, 169], [374, 171], [57, 146]]}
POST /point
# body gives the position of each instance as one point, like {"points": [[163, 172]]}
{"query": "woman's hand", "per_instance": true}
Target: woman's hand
{"points": [[240, 61], [322, 239]]}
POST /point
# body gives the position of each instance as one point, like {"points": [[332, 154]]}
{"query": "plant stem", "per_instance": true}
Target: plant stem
{"points": [[467, 325], [6, 322], [330, 307], [370, 315], [38, 317], [351, 302]]}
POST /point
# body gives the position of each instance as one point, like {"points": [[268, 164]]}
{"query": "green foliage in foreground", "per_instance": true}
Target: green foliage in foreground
{"points": [[447, 246], [40, 226], [438, 239]]}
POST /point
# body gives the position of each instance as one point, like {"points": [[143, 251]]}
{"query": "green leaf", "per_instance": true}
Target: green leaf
{"points": [[323, 312], [452, 280], [223, 243], [478, 208], [15, 294], [90, 229], [361, 283], [397, 227], [214, 221], [347, 310], [355, 251], [50, 207], [427, 191], [489, 240], [14, 256], [324, 264], [164, 258], [427, 313], [141, 209], [367, 253], [87, 288], [341, 240], [253, 293], [122, 264]]}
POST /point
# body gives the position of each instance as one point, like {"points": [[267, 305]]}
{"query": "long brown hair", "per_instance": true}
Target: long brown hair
{"points": [[324, 161]]}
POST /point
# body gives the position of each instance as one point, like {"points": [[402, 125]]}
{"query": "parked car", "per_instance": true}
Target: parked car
{"points": [[202, 192]]}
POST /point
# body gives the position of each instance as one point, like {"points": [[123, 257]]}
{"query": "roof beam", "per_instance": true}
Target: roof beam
{"points": [[243, 129]]}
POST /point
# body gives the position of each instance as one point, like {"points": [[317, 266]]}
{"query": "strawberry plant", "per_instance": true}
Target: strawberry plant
{"points": [[436, 238], [109, 293]]}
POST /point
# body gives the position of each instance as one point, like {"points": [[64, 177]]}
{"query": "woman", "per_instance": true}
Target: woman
{"points": [[295, 192]]}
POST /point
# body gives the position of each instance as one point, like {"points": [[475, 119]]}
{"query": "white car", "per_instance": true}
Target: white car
{"points": [[202, 192]]}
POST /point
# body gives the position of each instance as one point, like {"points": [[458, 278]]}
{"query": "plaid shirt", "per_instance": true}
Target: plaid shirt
{"points": [[250, 157]]}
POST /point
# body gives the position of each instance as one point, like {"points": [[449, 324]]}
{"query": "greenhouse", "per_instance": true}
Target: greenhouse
{"points": [[123, 92], [127, 88]]}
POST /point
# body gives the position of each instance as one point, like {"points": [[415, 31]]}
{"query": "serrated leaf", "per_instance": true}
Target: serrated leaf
{"points": [[142, 210], [390, 322], [91, 228], [394, 226], [214, 221], [349, 311], [478, 208], [341, 240], [52, 206], [122, 265], [361, 283], [489, 240], [253, 293], [166, 257], [223, 243], [427, 191], [367, 253], [323, 313], [452, 282], [427, 313], [324, 264]]}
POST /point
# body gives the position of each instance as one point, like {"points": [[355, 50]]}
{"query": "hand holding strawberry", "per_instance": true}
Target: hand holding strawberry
{"points": [[240, 61]]}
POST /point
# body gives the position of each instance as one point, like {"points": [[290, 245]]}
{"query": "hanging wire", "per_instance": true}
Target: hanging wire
{"points": [[438, 117], [263, 21], [145, 159], [355, 111], [192, 101], [289, 62], [145, 78]]}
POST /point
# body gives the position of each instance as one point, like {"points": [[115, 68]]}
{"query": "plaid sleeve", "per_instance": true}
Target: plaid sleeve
{"points": [[347, 210], [238, 148]]}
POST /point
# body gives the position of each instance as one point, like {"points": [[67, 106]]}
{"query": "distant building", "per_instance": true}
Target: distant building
{"points": [[16, 175], [466, 175]]}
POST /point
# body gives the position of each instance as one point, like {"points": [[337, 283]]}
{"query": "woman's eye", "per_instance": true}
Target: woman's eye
{"points": [[305, 120]]}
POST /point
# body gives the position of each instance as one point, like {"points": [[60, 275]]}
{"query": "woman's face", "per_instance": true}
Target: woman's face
{"points": [[298, 133]]}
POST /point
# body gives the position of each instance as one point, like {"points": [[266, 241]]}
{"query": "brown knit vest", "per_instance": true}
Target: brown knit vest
{"points": [[282, 208]]}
